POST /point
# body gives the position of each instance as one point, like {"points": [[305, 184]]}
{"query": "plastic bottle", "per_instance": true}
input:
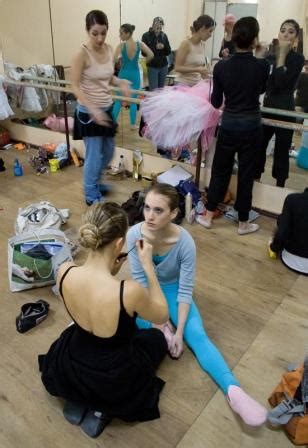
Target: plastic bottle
{"points": [[121, 164], [188, 206], [18, 171]]}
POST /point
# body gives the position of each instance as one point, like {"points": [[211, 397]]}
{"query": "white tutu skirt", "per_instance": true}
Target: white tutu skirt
{"points": [[177, 115]]}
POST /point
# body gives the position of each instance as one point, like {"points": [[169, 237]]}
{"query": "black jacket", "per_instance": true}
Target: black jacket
{"points": [[240, 79], [160, 56], [283, 81], [292, 230], [302, 91]]}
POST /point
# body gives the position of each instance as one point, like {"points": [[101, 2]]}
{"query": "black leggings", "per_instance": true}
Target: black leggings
{"points": [[280, 169], [247, 145]]}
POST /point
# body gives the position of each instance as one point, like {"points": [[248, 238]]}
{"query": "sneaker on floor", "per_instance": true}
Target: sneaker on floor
{"points": [[252, 413], [249, 228], [203, 221]]}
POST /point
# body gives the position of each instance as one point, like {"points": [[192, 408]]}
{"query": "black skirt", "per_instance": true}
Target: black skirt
{"points": [[118, 379], [85, 126]]}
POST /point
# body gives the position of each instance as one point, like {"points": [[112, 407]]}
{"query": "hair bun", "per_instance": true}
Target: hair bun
{"points": [[133, 27], [89, 236]]}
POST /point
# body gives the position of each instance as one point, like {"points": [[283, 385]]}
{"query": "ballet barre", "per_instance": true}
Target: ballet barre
{"points": [[266, 121]]}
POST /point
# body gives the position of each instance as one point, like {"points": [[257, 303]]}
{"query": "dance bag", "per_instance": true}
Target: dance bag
{"points": [[290, 402]]}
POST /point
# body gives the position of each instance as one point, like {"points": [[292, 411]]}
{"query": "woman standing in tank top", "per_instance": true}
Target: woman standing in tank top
{"points": [[129, 52], [190, 61], [91, 75]]}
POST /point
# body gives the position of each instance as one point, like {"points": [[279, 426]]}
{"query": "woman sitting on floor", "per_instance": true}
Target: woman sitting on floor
{"points": [[291, 236], [174, 260], [102, 364]]}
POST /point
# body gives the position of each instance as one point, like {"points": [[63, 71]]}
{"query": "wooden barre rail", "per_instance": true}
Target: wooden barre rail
{"points": [[49, 81], [279, 112]]}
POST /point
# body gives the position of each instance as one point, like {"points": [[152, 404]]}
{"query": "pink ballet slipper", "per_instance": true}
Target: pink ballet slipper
{"points": [[252, 413]]}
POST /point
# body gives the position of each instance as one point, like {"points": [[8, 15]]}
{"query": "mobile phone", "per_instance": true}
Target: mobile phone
{"points": [[141, 243]]}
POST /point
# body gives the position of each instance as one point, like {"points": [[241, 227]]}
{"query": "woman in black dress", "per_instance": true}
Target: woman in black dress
{"points": [[102, 364]]}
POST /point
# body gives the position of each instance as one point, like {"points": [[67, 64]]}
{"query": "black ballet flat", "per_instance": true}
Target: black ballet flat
{"points": [[94, 423], [74, 413]]}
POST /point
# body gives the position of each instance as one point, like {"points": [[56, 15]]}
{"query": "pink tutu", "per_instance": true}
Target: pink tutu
{"points": [[177, 115]]}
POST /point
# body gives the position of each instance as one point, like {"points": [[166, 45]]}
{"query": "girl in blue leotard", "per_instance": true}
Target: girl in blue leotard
{"points": [[129, 51], [174, 261]]}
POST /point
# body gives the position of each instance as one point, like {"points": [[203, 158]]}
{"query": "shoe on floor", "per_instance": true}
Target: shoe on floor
{"points": [[250, 228], [252, 412], [31, 315], [74, 413], [94, 423], [203, 221]]}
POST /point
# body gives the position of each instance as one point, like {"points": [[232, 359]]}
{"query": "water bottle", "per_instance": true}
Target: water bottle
{"points": [[188, 206], [121, 164], [18, 171]]}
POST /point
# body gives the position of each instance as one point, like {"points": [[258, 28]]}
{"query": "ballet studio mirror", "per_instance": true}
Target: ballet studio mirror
{"points": [[49, 32]]}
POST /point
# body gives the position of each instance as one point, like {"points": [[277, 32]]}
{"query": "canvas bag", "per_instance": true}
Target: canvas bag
{"points": [[40, 215], [290, 402], [34, 258]]}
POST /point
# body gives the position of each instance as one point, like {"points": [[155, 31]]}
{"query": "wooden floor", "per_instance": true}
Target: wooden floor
{"points": [[254, 309]]}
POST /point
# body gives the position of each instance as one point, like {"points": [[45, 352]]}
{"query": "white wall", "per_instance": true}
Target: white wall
{"points": [[25, 32], [68, 21], [142, 12], [271, 14]]}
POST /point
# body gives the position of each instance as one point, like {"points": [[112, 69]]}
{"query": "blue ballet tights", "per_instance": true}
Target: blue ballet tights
{"points": [[208, 356]]}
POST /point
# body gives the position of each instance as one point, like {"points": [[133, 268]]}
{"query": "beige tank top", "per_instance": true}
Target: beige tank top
{"points": [[95, 79], [196, 56]]}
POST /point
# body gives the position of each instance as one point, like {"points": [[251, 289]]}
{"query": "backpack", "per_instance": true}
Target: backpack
{"points": [[290, 402], [134, 207]]}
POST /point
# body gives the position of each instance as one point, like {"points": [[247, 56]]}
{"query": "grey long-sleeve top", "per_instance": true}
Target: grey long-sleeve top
{"points": [[178, 265]]}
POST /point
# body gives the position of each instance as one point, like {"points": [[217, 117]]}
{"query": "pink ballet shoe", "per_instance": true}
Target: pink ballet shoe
{"points": [[252, 413], [203, 221]]}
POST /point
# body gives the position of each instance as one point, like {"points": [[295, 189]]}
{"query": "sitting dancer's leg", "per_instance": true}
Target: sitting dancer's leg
{"points": [[213, 362], [143, 324]]}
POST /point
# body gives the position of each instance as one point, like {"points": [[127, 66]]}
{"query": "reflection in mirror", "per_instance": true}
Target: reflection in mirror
{"points": [[67, 23]]}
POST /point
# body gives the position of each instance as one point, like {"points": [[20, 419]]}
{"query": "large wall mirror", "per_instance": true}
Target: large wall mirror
{"points": [[49, 32]]}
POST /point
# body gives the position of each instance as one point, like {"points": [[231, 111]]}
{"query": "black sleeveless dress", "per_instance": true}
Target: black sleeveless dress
{"points": [[114, 375]]}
